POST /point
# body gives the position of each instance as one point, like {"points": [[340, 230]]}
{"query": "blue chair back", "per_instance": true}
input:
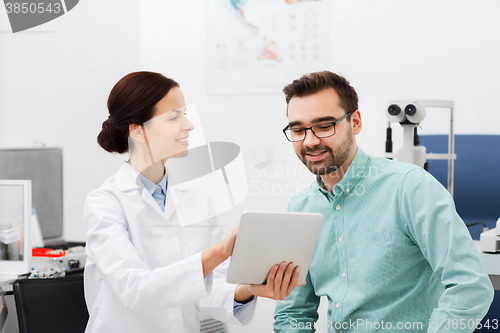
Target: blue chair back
{"points": [[477, 176], [477, 187]]}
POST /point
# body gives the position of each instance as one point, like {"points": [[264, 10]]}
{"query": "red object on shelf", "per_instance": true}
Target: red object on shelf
{"points": [[51, 253]]}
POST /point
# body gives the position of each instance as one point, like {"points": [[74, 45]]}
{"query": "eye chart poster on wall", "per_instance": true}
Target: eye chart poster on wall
{"points": [[256, 46]]}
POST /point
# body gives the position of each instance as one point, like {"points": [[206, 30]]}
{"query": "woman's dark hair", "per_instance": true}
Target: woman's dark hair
{"points": [[131, 101], [313, 83]]}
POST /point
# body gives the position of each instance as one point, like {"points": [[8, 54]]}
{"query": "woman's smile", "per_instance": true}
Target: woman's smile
{"points": [[184, 141]]}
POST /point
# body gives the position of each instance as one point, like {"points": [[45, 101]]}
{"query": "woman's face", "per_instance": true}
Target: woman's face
{"points": [[168, 131]]}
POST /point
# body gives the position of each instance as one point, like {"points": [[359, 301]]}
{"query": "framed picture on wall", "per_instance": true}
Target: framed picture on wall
{"points": [[257, 46]]}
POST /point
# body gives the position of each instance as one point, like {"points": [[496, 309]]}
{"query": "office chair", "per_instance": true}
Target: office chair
{"points": [[477, 187], [54, 305], [477, 181]]}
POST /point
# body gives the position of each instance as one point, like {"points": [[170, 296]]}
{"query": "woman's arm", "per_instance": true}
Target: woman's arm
{"points": [[218, 253], [280, 282]]}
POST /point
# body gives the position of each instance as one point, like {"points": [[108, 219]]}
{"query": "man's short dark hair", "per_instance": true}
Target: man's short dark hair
{"points": [[313, 83]]}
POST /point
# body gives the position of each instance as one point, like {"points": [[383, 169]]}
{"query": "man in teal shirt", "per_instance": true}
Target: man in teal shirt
{"points": [[393, 254]]}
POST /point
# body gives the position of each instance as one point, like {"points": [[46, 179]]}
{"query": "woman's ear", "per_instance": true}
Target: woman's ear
{"points": [[136, 132]]}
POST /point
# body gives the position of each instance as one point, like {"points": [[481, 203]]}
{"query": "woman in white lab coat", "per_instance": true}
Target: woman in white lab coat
{"points": [[147, 271]]}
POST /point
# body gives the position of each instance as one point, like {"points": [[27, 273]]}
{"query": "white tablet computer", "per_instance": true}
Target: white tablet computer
{"points": [[267, 239]]}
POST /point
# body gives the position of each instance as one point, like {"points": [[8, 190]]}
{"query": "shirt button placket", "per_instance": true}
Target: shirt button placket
{"points": [[343, 260]]}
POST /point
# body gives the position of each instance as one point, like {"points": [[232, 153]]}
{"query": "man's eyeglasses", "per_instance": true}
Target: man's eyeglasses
{"points": [[323, 130]]}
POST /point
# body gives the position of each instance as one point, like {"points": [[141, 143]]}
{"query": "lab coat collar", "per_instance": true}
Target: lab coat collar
{"points": [[128, 180], [149, 185]]}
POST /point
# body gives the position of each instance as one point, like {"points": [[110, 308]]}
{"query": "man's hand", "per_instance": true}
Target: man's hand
{"points": [[280, 283]]}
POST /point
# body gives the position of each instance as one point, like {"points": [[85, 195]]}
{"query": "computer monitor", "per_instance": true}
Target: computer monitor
{"points": [[15, 215], [44, 167]]}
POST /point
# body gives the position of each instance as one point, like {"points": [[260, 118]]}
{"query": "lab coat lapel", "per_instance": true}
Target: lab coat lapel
{"points": [[175, 196], [128, 180], [148, 198], [192, 205]]}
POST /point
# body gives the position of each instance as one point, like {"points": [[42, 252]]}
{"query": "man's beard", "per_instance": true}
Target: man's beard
{"points": [[332, 162]]}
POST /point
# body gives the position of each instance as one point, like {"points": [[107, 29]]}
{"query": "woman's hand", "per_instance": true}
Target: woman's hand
{"points": [[227, 244], [216, 255], [279, 285]]}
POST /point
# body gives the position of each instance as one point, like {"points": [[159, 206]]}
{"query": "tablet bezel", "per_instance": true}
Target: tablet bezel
{"points": [[265, 239]]}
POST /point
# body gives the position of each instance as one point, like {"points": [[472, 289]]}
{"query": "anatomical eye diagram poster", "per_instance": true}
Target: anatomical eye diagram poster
{"points": [[257, 46]]}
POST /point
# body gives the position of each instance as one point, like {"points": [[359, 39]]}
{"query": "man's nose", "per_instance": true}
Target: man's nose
{"points": [[311, 139]]}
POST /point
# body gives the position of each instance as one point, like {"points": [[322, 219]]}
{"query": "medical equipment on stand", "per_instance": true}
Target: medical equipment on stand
{"points": [[409, 114], [490, 240]]}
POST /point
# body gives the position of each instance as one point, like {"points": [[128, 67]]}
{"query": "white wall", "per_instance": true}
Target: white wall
{"points": [[54, 83], [55, 79], [387, 49]]}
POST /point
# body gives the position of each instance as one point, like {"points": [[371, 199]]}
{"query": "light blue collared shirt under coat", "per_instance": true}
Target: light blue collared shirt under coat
{"points": [[392, 249], [157, 191]]}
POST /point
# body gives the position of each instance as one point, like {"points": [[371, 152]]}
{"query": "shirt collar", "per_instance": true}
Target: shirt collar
{"points": [[351, 178], [149, 185]]}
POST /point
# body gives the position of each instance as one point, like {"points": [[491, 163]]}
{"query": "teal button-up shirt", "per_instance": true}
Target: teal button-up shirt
{"points": [[392, 255]]}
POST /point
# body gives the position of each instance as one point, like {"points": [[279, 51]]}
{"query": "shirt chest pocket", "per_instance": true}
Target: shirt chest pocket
{"points": [[374, 257]]}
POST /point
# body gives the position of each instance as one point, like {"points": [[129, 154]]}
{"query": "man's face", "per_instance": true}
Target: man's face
{"points": [[322, 155]]}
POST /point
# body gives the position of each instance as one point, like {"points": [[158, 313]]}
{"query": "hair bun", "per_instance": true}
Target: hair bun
{"points": [[110, 139]]}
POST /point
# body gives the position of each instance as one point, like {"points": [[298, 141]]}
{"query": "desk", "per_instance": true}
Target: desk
{"points": [[41, 263], [11, 325], [491, 262]]}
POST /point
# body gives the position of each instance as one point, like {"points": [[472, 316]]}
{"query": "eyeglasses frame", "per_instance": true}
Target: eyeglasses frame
{"points": [[334, 123]]}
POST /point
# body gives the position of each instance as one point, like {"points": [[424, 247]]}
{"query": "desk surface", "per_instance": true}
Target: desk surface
{"points": [[7, 280], [491, 261]]}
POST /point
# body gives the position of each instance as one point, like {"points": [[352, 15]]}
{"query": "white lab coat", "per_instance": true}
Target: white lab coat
{"points": [[144, 271]]}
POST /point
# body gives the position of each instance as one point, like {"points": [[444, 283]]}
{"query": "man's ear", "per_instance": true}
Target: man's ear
{"points": [[136, 132], [356, 122]]}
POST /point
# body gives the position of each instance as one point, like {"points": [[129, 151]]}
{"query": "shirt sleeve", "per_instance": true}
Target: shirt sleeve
{"points": [[220, 304], [245, 312], [134, 283], [298, 311], [238, 305], [435, 226]]}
